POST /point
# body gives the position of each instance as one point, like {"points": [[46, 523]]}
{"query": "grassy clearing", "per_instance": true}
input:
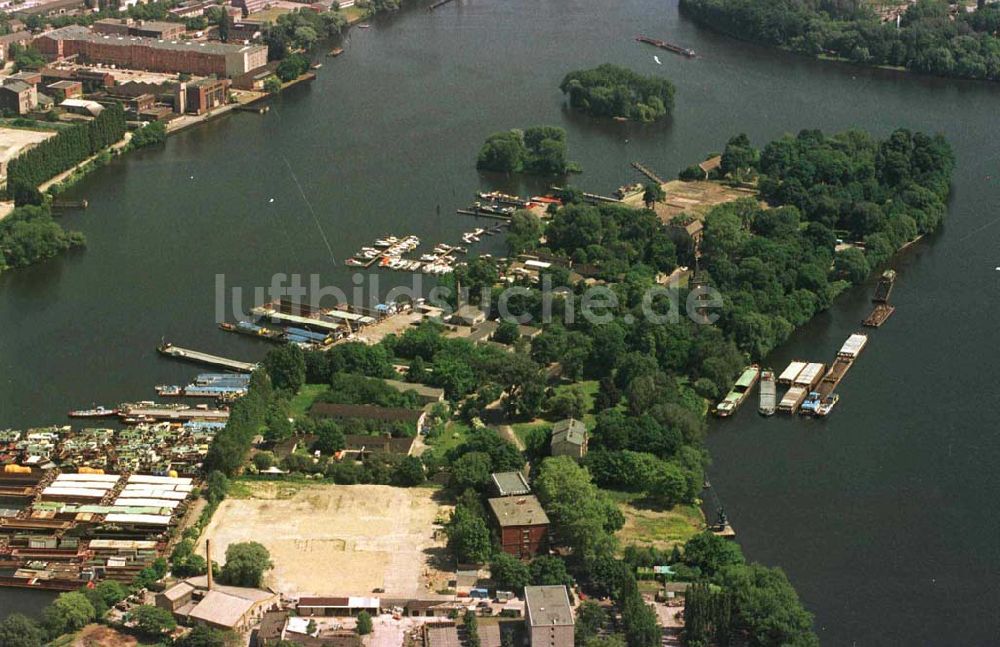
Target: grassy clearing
{"points": [[455, 433], [305, 397], [657, 528]]}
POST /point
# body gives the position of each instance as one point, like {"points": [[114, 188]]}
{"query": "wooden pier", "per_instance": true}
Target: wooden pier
{"points": [[204, 358], [439, 3], [648, 172], [590, 197], [482, 214]]}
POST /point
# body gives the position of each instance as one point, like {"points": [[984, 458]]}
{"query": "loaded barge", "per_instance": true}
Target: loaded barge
{"points": [[739, 392], [768, 393], [882, 311], [670, 47]]}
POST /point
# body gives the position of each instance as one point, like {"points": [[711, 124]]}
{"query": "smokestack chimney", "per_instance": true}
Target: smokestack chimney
{"points": [[208, 559]]}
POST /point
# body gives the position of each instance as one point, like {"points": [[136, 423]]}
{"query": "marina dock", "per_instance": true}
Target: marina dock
{"points": [[648, 172], [171, 350]]}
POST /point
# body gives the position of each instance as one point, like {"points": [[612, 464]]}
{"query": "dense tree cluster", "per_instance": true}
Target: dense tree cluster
{"points": [[301, 30], [149, 135], [929, 39], [30, 234], [539, 150], [613, 238], [732, 602], [69, 147], [612, 91], [772, 265], [247, 418]]}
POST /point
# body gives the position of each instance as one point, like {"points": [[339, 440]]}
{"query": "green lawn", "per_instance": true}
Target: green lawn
{"points": [[455, 433], [658, 528], [305, 397]]}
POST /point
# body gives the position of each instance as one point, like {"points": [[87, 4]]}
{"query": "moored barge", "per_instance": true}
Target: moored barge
{"points": [[739, 392]]}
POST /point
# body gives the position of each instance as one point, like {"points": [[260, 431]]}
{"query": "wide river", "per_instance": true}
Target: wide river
{"points": [[885, 516]]}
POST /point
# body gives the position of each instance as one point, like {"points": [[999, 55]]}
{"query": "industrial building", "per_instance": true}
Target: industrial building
{"points": [[135, 52], [548, 616], [523, 525]]}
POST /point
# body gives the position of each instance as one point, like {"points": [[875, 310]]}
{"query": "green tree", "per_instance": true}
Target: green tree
{"points": [[272, 85], [711, 553], [509, 573], [153, 621], [364, 623], [469, 536], [286, 366], [549, 570], [68, 612], [471, 470], [202, 636], [409, 472], [652, 194], [245, 564], [613, 91], [17, 630], [590, 619], [503, 152], [851, 265], [151, 134]]}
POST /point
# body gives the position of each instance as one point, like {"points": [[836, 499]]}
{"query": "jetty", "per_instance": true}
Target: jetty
{"points": [[648, 172], [670, 47], [439, 3], [590, 197], [177, 352], [174, 414]]}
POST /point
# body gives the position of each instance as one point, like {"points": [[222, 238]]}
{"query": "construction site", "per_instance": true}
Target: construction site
{"points": [[342, 539]]}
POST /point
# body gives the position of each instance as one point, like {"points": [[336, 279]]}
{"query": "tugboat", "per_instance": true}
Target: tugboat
{"points": [[768, 394], [824, 407], [722, 527]]}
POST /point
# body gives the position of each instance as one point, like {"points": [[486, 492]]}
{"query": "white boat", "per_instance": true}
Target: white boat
{"points": [[428, 258], [657, 59]]}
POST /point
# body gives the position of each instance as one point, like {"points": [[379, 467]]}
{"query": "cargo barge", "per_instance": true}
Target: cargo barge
{"points": [[879, 315], [768, 394], [792, 399], [739, 393], [670, 47], [884, 287]]}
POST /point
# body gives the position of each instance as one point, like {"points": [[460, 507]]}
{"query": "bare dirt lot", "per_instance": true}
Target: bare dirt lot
{"points": [[337, 539]]}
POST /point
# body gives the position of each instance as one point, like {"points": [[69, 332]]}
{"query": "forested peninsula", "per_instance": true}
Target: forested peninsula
{"points": [[931, 36]]}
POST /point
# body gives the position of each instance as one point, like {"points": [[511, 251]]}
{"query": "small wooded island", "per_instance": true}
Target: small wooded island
{"points": [[539, 150], [924, 36], [612, 91]]}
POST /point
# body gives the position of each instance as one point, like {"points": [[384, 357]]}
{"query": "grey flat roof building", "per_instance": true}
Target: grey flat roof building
{"points": [[547, 606], [518, 511], [511, 484]]}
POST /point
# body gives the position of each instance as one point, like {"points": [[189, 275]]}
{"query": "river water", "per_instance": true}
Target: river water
{"points": [[884, 515]]}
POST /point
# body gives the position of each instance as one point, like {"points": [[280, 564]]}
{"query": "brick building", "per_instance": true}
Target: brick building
{"points": [[250, 6], [134, 52], [523, 525], [62, 90], [206, 94], [18, 97], [22, 38]]}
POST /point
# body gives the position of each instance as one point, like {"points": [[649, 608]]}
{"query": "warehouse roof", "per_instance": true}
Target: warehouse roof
{"points": [[76, 32], [518, 511]]}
